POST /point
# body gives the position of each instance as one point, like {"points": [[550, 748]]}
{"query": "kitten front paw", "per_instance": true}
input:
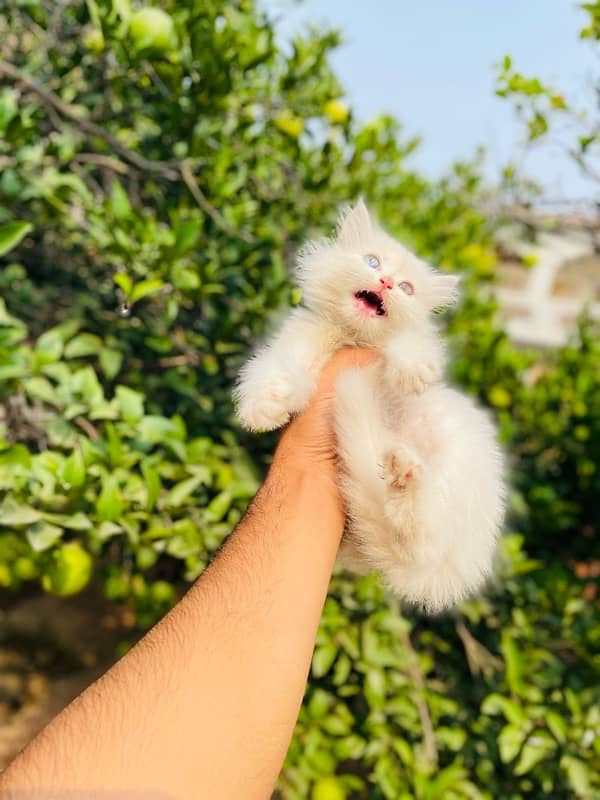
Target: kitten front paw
{"points": [[412, 378], [264, 408]]}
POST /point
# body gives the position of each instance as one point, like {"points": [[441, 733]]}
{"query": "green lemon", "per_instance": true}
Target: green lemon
{"points": [[337, 111], [162, 592], [152, 29], [499, 397], [94, 41], [69, 570], [328, 789], [25, 568], [289, 123]]}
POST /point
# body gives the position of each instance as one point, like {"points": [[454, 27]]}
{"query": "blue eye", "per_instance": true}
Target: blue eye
{"points": [[372, 261], [407, 287]]}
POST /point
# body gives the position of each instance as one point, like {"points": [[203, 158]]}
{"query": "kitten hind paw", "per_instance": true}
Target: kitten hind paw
{"points": [[401, 468]]}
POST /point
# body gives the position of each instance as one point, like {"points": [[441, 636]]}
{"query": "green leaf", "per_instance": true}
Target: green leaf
{"points": [[11, 233], [77, 522], [14, 514], [578, 776], [374, 688], [187, 235], [42, 535], [9, 107], [41, 389], [350, 747], [118, 202], [16, 456], [85, 344], [109, 504], [73, 471], [513, 658], [510, 741], [130, 403], [110, 361], [495, 703], [180, 492], [153, 429], [49, 346], [124, 282], [323, 658], [538, 747], [219, 505], [153, 485], [558, 726], [452, 738], [145, 288]]}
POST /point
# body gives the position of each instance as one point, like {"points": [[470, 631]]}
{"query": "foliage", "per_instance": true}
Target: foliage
{"points": [[154, 183], [547, 112]]}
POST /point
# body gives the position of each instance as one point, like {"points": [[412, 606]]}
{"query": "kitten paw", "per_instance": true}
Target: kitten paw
{"points": [[267, 408], [401, 468], [413, 379]]}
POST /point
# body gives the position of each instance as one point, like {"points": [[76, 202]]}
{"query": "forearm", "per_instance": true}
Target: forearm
{"points": [[205, 704]]}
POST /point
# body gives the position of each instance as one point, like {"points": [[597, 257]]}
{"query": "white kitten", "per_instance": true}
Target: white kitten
{"points": [[422, 472]]}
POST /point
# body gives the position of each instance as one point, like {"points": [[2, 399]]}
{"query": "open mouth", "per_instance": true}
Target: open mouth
{"points": [[370, 303]]}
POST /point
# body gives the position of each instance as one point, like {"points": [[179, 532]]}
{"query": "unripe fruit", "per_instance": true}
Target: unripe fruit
{"points": [[289, 123], [94, 40], [152, 29], [337, 111], [69, 570], [328, 789]]}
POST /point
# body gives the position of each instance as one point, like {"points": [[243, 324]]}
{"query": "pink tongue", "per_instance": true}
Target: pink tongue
{"points": [[366, 307]]}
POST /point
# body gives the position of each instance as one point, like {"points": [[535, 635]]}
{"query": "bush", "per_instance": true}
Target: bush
{"points": [[154, 185]]}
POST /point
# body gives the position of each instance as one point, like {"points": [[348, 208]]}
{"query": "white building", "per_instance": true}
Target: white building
{"points": [[540, 303]]}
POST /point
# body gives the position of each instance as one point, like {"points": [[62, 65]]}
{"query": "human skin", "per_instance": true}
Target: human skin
{"points": [[204, 706]]}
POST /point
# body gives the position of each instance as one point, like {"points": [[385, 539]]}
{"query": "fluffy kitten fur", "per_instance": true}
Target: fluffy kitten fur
{"points": [[422, 472]]}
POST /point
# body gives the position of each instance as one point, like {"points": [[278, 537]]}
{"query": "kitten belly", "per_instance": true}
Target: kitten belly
{"points": [[423, 484]]}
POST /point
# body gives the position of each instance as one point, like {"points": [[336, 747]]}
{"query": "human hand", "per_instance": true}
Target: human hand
{"points": [[308, 443]]}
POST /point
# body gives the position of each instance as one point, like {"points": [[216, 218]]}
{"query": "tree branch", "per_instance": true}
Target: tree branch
{"points": [[168, 169], [188, 178], [171, 170], [416, 675]]}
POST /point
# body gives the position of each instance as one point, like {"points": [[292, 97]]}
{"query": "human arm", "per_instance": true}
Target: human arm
{"points": [[205, 704]]}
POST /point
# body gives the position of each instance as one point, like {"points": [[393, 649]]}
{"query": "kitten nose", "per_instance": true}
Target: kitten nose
{"points": [[386, 282]]}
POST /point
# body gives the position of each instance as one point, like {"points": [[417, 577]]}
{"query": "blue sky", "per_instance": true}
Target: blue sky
{"points": [[431, 64]]}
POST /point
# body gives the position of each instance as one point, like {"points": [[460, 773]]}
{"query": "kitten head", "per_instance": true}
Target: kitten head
{"points": [[369, 284]]}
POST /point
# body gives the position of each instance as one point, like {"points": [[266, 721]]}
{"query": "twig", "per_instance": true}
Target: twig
{"points": [[416, 675], [103, 161], [87, 427], [199, 197], [479, 657], [171, 170], [165, 168], [177, 361], [89, 181]]}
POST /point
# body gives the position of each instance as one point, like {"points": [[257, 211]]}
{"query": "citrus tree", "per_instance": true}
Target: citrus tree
{"points": [[159, 167]]}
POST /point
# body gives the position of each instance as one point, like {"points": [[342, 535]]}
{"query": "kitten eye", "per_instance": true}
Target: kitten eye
{"points": [[407, 287], [372, 261]]}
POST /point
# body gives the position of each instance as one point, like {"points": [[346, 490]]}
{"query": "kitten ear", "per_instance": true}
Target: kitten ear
{"points": [[355, 224], [442, 290]]}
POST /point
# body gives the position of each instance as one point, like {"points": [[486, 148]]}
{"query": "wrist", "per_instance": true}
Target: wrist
{"points": [[310, 483]]}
